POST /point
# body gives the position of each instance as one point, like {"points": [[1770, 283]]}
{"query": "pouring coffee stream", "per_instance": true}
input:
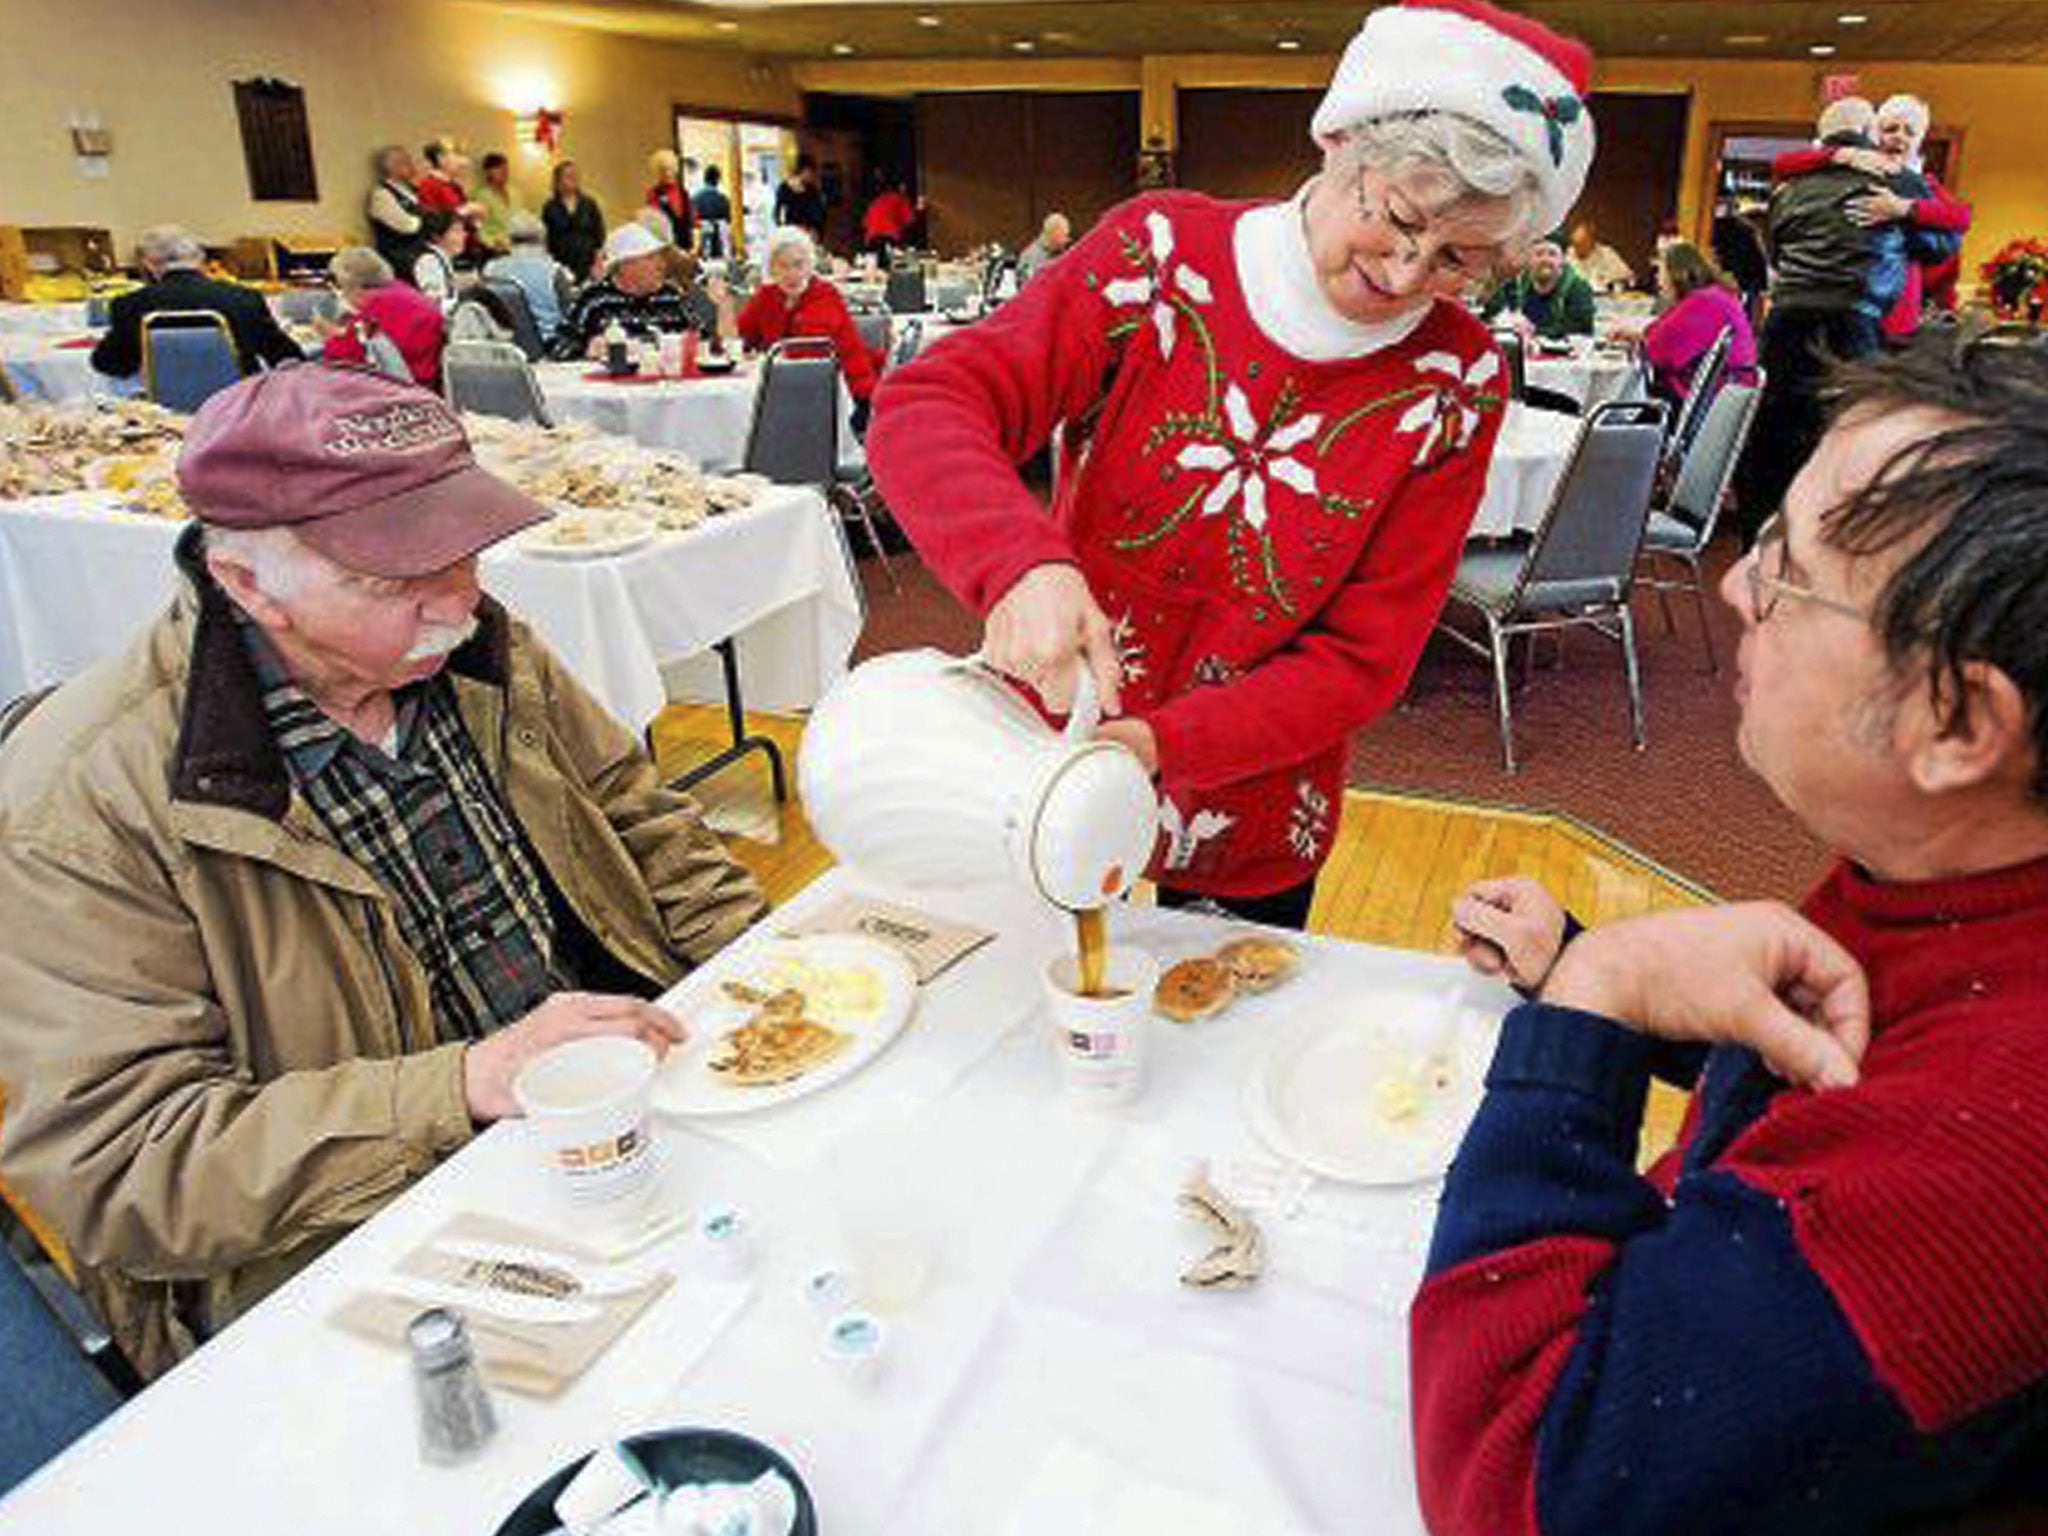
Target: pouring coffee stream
{"points": [[932, 770]]}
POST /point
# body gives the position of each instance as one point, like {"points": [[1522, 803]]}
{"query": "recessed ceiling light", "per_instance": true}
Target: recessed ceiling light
{"points": [[1852, 18], [1822, 50], [726, 26], [1289, 45], [1024, 45], [927, 19], [842, 49]]}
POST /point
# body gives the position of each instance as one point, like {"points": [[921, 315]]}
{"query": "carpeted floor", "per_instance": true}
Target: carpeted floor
{"points": [[1686, 801]]}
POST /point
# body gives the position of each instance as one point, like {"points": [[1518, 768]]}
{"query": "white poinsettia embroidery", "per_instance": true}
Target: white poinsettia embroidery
{"points": [[1309, 822], [1253, 458], [1185, 835], [1160, 280], [1448, 415]]}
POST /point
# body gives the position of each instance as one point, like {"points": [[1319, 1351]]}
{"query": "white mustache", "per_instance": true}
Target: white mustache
{"points": [[439, 639]]}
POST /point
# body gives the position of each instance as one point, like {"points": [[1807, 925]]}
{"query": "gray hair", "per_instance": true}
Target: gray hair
{"points": [[1912, 109], [1849, 114], [1478, 161], [789, 238], [169, 246], [357, 267], [524, 229], [278, 564]]}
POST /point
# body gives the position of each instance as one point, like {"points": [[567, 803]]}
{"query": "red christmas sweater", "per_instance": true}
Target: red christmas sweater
{"points": [[1271, 537], [819, 311]]}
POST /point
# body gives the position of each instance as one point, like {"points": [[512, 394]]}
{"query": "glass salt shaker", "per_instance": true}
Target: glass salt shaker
{"points": [[456, 1417]]}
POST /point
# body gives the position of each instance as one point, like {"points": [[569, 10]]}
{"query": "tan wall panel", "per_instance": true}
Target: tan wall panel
{"points": [[158, 72]]}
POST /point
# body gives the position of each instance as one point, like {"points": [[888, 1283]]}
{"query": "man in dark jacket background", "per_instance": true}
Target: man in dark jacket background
{"points": [[1835, 280], [172, 258]]}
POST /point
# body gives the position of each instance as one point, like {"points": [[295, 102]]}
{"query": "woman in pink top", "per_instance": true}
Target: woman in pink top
{"points": [[386, 322], [1701, 305]]}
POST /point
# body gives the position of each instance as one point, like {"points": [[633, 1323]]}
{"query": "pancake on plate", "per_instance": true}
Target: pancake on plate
{"points": [[1193, 989], [1257, 964], [773, 1049]]}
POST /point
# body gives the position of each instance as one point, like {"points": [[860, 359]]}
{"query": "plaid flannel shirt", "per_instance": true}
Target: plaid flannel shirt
{"points": [[429, 825]]}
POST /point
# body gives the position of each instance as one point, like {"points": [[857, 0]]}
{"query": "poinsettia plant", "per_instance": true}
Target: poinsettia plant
{"points": [[2017, 280]]}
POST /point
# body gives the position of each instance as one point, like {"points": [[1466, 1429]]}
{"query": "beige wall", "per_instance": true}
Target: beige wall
{"points": [[158, 72]]}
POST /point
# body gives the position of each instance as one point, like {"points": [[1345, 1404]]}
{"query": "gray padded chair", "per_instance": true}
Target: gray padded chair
{"points": [[493, 378], [1579, 568], [1683, 527], [874, 329], [794, 436], [1515, 353], [1692, 414], [905, 291], [54, 1393], [525, 329]]}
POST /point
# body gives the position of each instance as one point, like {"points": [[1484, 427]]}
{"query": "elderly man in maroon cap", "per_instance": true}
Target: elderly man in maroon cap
{"points": [[297, 883]]}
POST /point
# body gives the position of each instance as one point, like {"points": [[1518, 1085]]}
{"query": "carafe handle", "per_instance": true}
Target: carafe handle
{"points": [[1085, 716]]}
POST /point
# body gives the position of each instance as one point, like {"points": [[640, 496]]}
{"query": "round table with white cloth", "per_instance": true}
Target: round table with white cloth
{"points": [[49, 366], [62, 318], [705, 418], [634, 628], [1590, 375], [1529, 458]]}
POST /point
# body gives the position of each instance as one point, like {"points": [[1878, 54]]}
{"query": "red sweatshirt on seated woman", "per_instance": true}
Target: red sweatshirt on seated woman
{"points": [[382, 314], [795, 301]]}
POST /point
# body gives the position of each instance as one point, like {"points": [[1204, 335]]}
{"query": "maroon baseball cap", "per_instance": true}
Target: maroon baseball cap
{"points": [[374, 472]]}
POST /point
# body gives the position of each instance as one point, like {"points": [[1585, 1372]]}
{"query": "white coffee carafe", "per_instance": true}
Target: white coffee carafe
{"points": [[931, 770]]}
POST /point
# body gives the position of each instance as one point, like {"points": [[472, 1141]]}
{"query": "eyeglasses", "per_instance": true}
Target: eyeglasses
{"points": [[1766, 587]]}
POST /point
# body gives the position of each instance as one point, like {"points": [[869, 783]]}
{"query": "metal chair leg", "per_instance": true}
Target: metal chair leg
{"points": [[857, 499], [1635, 682], [1664, 594], [1497, 644], [1699, 598]]}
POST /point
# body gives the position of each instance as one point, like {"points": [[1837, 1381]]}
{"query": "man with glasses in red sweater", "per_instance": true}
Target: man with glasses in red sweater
{"points": [[1824, 1310]]}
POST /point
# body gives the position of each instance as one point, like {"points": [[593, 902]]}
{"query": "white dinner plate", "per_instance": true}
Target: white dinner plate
{"points": [[685, 1084], [611, 533], [1380, 1094]]}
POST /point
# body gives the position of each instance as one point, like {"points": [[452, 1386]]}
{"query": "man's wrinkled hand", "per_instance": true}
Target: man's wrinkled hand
{"points": [[1512, 928], [491, 1064], [1757, 975]]}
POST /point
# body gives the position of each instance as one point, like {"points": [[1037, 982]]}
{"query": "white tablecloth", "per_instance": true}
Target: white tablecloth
{"points": [[43, 370], [1051, 1366], [776, 574], [56, 319], [1591, 378], [1529, 459]]}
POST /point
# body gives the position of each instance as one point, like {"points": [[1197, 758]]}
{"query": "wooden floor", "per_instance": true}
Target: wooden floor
{"points": [[1398, 859]]}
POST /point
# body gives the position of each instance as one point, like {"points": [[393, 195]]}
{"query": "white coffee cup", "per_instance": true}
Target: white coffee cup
{"points": [[1101, 1040], [669, 350], [587, 1102]]}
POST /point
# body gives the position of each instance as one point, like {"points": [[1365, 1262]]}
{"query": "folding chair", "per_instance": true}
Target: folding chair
{"points": [[874, 328], [493, 378], [905, 291], [188, 356], [54, 1394], [1683, 527], [908, 341], [519, 312], [1706, 383], [1579, 568]]}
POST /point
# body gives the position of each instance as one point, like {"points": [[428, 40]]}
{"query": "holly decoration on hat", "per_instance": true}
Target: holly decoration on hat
{"points": [[1558, 113]]}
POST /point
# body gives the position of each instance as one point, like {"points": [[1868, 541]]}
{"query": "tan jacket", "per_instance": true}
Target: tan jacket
{"points": [[219, 1053]]}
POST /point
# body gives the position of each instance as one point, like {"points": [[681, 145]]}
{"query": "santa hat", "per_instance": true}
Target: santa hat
{"points": [[1477, 61]]}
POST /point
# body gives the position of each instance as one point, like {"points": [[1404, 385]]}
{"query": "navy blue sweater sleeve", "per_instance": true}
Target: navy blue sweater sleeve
{"points": [[1681, 1367]]}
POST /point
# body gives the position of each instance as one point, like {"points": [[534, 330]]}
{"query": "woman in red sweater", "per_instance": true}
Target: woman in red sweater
{"points": [[795, 301], [386, 322], [1286, 419]]}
